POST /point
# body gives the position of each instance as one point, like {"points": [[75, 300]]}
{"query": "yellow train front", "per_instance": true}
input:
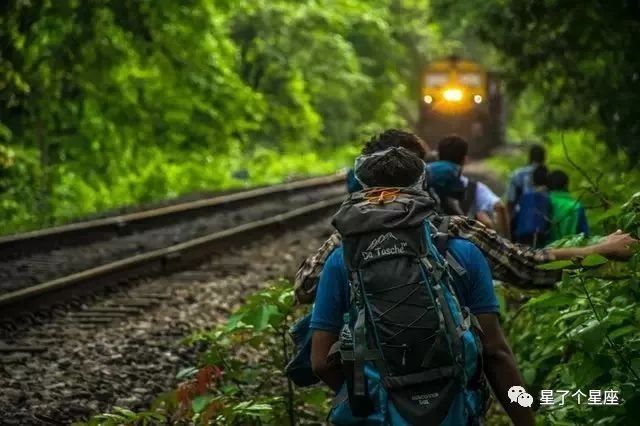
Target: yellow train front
{"points": [[461, 97]]}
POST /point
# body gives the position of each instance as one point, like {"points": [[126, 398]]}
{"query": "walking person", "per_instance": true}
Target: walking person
{"points": [[473, 197], [533, 216], [521, 180], [568, 215], [405, 323]]}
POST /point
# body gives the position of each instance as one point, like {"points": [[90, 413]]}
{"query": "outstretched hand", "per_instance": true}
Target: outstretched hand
{"points": [[618, 245]]}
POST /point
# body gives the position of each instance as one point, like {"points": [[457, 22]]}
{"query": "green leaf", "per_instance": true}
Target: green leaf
{"points": [[594, 260], [125, 412], [315, 396], [551, 299], [529, 375], [570, 315], [556, 265], [622, 331], [200, 403], [185, 373], [592, 335]]}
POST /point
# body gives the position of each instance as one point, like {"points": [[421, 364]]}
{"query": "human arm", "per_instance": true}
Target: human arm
{"points": [[517, 264], [618, 245], [327, 371], [485, 219], [491, 211], [332, 301], [513, 191], [501, 369], [479, 296], [511, 263], [503, 219]]}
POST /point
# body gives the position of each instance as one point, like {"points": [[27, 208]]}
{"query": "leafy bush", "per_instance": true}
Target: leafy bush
{"points": [[585, 335]]}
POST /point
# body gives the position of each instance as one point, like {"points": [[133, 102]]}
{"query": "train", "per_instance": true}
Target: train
{"points": [[460, 96]]}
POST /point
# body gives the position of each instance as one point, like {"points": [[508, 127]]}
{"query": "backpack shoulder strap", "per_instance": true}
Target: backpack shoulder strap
{"points": [[469, 196], [442, 237], [441, 241]]}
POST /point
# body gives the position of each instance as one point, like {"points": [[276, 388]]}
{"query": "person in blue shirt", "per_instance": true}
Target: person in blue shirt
{"points": [[473, 289], [521, 180], [534, 212]]}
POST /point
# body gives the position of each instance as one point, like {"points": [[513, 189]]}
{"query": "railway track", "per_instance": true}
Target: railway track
{"points": [[44, 268], [123, 347]]}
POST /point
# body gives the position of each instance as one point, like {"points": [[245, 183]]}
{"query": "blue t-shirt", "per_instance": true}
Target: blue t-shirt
{"points": [[474, 289]]}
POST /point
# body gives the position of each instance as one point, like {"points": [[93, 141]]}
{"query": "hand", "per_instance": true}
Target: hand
{"points": [[618, 245]]}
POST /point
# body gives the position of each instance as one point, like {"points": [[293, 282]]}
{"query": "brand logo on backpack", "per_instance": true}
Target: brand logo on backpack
{"points": [[374, 250], [425, 399]]}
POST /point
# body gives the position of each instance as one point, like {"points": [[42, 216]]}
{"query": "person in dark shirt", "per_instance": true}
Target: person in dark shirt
{"points": [[521, 180]]}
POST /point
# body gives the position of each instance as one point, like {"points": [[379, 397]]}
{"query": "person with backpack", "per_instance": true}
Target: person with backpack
{"points": [[511, 263], [405, 324], [402, 139], [568, 215], [534, 212], [521, 180], [472, 197]]}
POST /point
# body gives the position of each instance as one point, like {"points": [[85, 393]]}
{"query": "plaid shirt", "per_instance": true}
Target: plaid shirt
{"points": [[512, 263]]}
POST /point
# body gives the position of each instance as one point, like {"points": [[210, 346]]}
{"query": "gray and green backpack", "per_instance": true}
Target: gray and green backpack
{"points": [[411, 354]]}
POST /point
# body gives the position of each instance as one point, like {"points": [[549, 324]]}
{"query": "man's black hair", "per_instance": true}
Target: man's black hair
{"points": [[537, 154], [453, 148], [396, 138], [398, 167], [540, 176], [558, 181]]}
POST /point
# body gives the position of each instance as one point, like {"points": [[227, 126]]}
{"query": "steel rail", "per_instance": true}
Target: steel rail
{"points": [[101, 229], [156, 262]]}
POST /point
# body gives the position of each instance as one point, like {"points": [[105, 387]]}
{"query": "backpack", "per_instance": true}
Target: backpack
{"points": [[411, 354], [532, 218], [444, 178]]}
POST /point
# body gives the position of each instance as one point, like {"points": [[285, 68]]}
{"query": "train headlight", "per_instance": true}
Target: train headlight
{"points": [[477, 99], [452, 95], [428, 99]]}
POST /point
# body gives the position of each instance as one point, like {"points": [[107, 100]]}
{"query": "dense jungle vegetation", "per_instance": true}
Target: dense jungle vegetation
{"points": [[105, 103]]}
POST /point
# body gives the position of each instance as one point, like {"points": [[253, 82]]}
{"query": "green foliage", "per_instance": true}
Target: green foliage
{"points": [[240, 376], [584, 335], [112, 103]]}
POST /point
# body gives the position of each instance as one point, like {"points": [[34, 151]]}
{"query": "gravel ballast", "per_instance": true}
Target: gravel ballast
{"points": [[94, 357]]}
